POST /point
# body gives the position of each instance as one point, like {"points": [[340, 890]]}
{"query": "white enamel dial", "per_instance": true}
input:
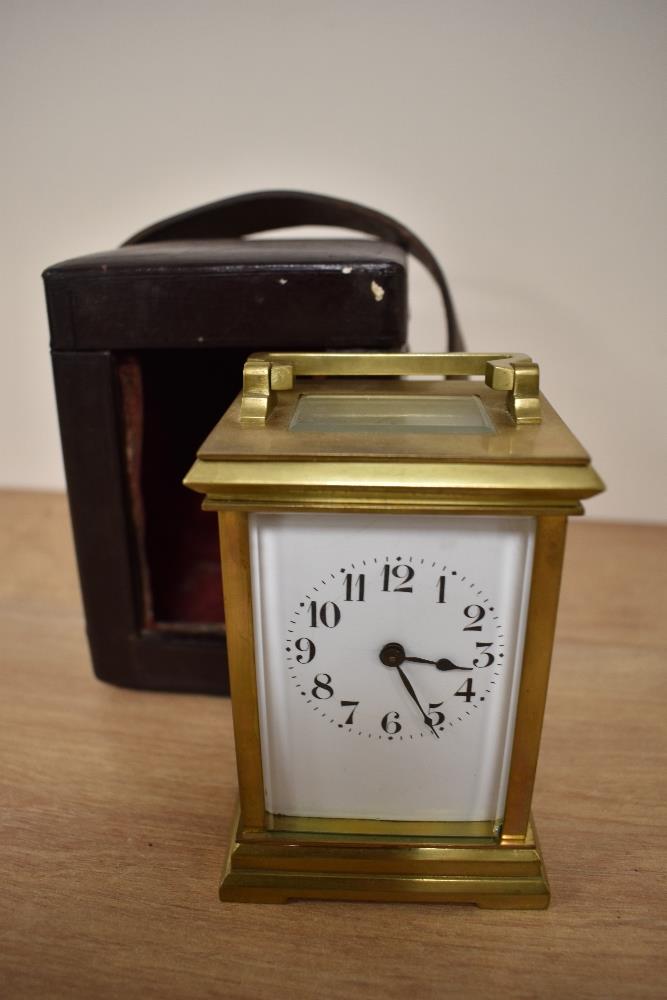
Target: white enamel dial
{"points": [[388, 658], [358, 613]]}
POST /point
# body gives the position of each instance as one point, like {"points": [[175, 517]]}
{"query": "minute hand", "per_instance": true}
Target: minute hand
{"points": [[413, 694], [442, 664]]}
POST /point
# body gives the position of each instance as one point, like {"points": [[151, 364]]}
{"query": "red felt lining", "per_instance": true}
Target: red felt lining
{"points": [[170, 401]]}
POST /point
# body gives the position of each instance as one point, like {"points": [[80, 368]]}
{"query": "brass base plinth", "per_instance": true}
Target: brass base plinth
{"points": [[276, 867]]}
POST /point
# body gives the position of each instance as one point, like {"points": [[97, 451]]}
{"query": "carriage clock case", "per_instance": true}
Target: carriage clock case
{"points": [[391, 560]]}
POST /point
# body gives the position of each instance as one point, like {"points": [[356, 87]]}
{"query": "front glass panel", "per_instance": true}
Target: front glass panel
{"points": [[388, 653]]}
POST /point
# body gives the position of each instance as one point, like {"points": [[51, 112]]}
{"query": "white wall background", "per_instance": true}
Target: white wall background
{"points": [[524, 140]]}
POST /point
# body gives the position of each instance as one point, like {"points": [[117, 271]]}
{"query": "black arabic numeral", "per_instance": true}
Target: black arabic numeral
{"points": [[402, 573], [466, 691], [352, 587], [441, 589], [328, 614], [322, 684], [390, 723], [439, 716], [347, 704], [474, 613], [490, 658], [307, 647]]}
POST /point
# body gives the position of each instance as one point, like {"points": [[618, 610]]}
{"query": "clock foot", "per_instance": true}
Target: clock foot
{"points": [[537, 901]]}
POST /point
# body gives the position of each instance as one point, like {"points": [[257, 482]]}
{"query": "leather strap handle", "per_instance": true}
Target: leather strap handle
{"points": [[261, 211]]}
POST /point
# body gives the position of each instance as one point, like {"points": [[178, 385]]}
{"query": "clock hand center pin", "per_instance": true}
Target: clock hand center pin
{"points": [[392, 654]]}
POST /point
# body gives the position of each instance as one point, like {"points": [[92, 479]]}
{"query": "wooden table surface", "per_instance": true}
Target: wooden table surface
{"points": [[115, 809]]}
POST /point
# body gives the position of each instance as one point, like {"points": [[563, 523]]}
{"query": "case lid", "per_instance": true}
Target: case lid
{"points": [[231, 293]]}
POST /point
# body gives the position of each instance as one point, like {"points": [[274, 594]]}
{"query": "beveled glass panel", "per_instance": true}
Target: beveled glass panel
{"points": [[391, 414]]}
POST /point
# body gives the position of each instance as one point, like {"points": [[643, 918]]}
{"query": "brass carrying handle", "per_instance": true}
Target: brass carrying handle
{"points": [[268, 373]]}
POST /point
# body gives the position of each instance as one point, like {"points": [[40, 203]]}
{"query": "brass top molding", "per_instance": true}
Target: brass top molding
{"points": [[266, 374]]}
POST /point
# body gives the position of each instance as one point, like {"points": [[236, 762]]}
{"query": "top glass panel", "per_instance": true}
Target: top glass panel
{"points": [[391, 414]]}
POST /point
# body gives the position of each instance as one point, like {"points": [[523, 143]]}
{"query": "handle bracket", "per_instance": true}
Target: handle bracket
{"points": [[266, 374]]}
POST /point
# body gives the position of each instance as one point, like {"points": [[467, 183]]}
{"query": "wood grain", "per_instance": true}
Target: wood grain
{"points": [[115, 807]]}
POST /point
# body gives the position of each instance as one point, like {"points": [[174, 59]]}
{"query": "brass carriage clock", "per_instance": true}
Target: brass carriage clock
{"points": [[391, 558]]}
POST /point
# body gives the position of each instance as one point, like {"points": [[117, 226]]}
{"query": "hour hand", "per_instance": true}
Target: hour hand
{"points": [[442, 664], [393, 654], [445, 664]]}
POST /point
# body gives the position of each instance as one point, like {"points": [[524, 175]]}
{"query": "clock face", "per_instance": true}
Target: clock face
{"points": [[445, 666], [388, 656]]}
